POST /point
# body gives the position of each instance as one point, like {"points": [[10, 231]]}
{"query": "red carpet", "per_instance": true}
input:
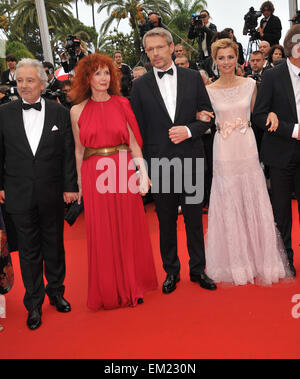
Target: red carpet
{"points": [[232, 322]]}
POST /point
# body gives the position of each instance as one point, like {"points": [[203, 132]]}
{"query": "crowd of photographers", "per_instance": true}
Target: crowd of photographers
{"points": [[266, 35]]}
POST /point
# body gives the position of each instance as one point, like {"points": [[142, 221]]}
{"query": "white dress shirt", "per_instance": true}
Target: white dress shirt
{"points": [[204, 43], [12, 76], [33, 124], [168, 88], [295, 78]]}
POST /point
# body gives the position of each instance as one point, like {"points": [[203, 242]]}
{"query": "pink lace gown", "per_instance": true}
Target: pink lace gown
{"points": [[242, 242]]}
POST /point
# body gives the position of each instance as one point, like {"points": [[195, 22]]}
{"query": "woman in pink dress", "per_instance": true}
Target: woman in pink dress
{"points": [[242, 244], [107, 138]]}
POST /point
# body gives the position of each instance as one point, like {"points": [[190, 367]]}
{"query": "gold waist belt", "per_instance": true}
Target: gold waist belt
{"points": [[104, 151]]}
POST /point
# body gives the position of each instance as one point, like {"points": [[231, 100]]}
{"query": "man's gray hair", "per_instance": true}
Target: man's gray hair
{"points": [[292, 38], [139, 68], [28, 62], [161, 32]]}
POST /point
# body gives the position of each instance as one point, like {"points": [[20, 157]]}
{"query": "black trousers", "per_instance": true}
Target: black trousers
{"points": [[284, 181], [40, 242], [167, 212]]}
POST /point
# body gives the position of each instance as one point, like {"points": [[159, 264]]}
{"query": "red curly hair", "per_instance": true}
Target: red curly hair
{"points": [[84, 70]]}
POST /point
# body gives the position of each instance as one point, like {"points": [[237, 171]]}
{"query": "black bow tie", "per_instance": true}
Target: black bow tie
{"points": [[162, 73], [37, 106]]}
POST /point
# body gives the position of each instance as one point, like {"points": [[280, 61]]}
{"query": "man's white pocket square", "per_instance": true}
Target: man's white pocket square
{"points": [[54, 128]]}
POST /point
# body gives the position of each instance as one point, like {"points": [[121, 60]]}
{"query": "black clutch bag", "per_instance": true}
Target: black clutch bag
{"points": [[73, 212]]}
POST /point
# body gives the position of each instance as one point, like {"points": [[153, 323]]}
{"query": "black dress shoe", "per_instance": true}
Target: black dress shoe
{"points": [[204, 281], [34, 320], [60, 303], [169, 284]]}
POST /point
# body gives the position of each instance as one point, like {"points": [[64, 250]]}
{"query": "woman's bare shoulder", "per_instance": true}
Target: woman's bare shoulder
{"points": [[77, 109]]}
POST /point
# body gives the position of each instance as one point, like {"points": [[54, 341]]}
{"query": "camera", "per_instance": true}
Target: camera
{"points": [[54, 95], [197, 19], [251, 23], [71, 43], [11, 93], [145, 27]]}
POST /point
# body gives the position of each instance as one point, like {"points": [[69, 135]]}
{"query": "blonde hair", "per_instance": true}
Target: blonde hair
{"points": [[223, 44]]}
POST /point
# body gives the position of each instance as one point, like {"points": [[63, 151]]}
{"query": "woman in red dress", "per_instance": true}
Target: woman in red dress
{"points": [[107, 139]]}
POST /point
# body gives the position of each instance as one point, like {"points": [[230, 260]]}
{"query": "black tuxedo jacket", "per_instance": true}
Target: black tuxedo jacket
{"points": [[272, 31], [154, 120], [275, 94], [32, 180]]}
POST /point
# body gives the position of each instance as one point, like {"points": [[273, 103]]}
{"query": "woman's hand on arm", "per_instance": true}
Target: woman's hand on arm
{"points": [[143, 179], [273, 120], [205, 116]]}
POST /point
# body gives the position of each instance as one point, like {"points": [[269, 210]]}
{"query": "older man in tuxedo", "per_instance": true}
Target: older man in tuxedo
{"points": [[37, 174], [165, 101], [279, 92]]}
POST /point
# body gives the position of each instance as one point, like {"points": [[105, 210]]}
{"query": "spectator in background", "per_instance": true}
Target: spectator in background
{"points": [[255, 71], [256, 68], [240, 70], [204, 33], [180, 51], [53, 83], [265, 47], [138, 71], [66, 89], [70, 59], [126, 73], [241, 59], [276, 53], [270, 26], [182, 62], [155, 18], [8, 77]]}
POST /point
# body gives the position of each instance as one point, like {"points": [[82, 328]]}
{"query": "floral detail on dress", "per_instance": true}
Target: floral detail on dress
{"points": [[228, 127]]}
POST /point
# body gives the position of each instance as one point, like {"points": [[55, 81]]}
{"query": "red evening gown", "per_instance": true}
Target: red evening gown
{"points": [[120, 261]]}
